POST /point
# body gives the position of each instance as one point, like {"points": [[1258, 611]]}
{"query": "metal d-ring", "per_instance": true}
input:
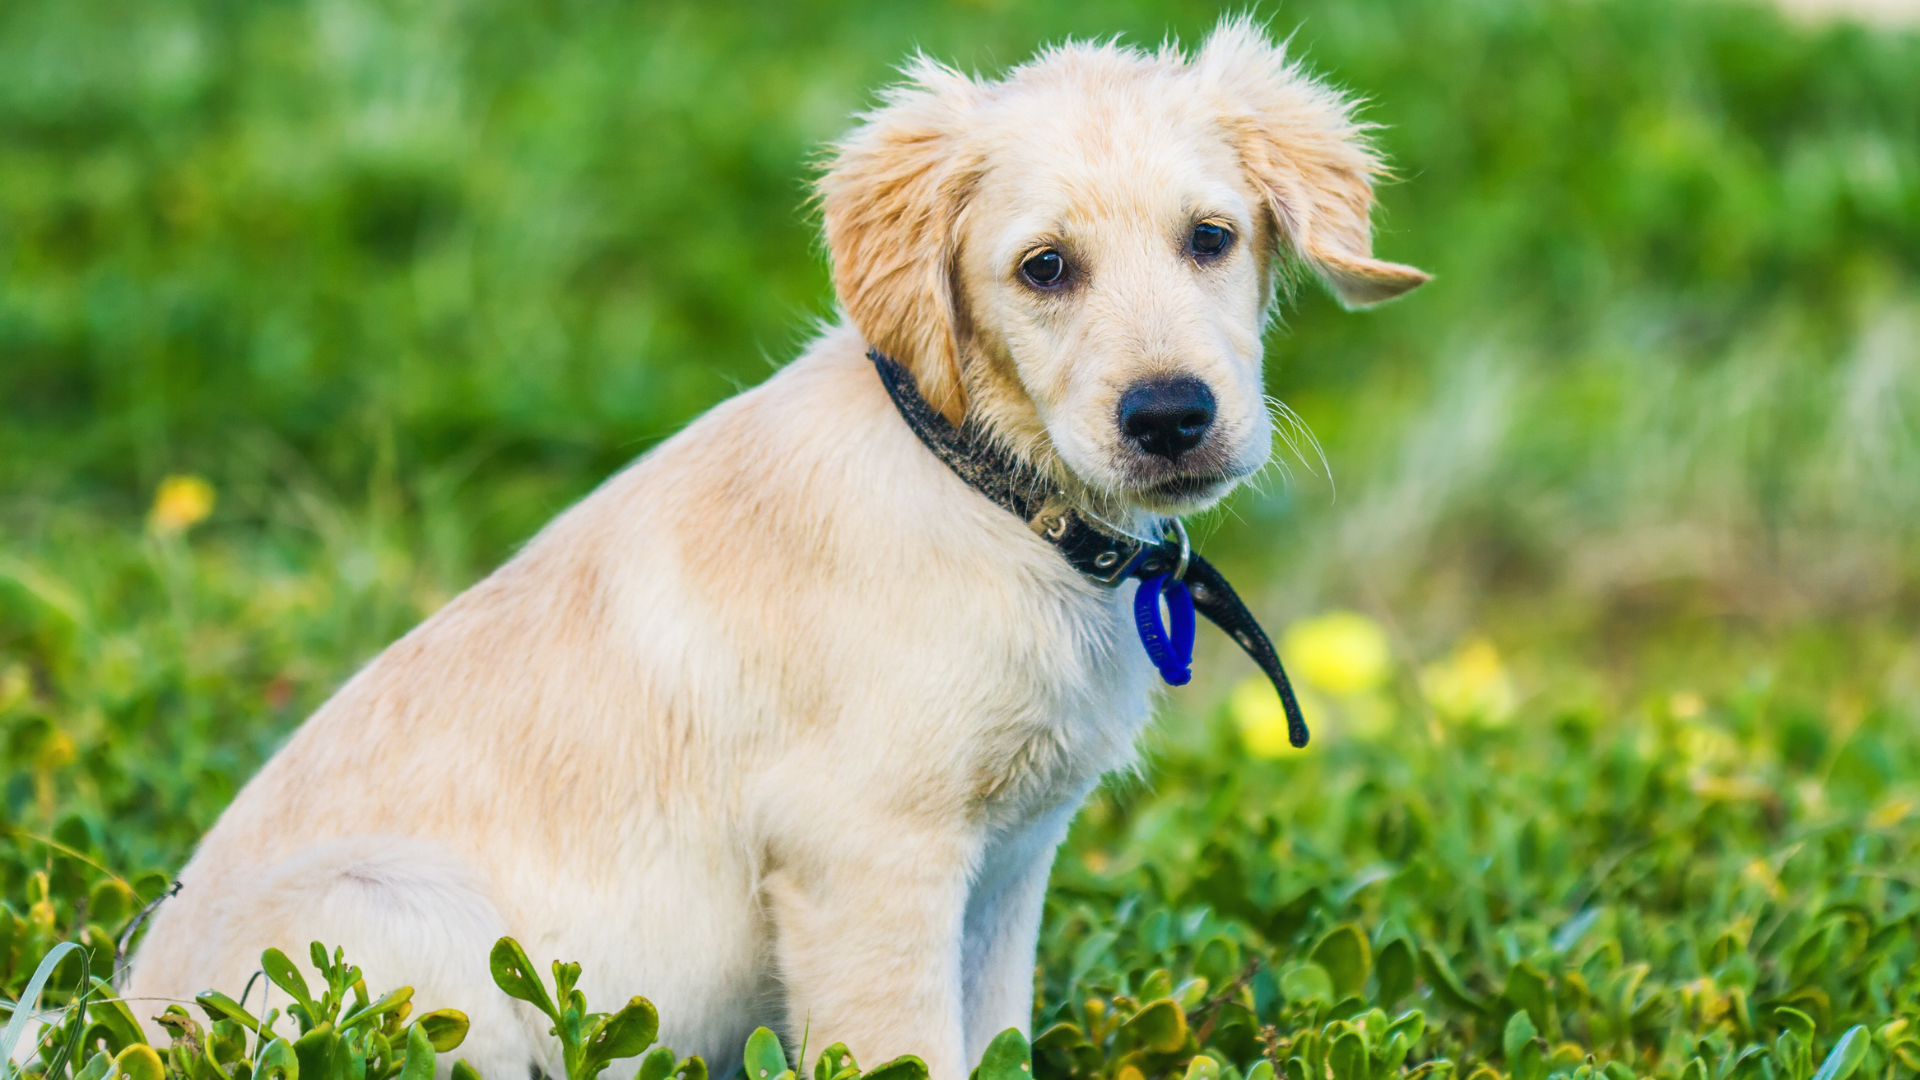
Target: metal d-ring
{"points": [[1186, 550]]}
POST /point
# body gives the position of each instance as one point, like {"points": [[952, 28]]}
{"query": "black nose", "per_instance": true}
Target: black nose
{"points": [[1166, 417]]}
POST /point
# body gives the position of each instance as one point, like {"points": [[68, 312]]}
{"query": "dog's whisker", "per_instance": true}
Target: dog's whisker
{"points": [[1294, 430], [1300, 427]]}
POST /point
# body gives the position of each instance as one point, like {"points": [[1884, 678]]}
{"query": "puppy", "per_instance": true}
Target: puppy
{"points": [[786, 720]]}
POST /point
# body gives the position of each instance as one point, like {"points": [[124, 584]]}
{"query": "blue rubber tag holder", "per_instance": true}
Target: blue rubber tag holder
{"points": [[1169, 646]]}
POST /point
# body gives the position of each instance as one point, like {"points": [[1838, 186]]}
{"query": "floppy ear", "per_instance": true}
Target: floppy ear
{"points": [[892, 196], [1308, 156]]}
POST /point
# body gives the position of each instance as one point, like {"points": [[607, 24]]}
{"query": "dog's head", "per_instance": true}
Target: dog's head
{"points": [[1082, 256]]}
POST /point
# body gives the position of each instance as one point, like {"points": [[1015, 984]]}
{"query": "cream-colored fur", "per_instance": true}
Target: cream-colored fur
{"points": [[784, 722]]}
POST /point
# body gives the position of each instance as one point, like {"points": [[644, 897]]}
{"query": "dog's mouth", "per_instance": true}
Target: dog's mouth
{"points": [[1185, 493]]}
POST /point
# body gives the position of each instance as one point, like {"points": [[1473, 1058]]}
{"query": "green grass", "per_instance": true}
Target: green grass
{"points": [[401, 279]]}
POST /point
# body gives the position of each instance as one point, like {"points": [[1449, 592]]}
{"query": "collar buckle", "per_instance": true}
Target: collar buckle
{"points": [[1186, 549]]}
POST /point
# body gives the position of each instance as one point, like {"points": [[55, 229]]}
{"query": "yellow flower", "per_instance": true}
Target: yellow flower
{"points": [[15, 686], [181, 503], [56, 751], [1256, 710], [1729, 788], [1686, 705], [1760, 872], [1340, 652], [1701, 744], [1472, 684], [1890, 813]]}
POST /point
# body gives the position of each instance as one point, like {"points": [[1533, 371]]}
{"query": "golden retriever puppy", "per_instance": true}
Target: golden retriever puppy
{"points": [[785, 721]]}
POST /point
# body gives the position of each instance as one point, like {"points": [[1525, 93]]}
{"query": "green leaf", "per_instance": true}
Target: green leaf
{"points": [[96, 1068], [1347, 1008], [1203, 1067], [1217, 962], [317, 1050], [1519, 1032], [1346, 956], [420, 1053], [1814, 1002], [1795, 1021], [110, 902], [1007, 1057], [1387, 1061], [765, 1059], [1160, 1027], [29, 1001], [112, 1014], [1064, 1035], [513, 974], [464, 1071], [1521, 1042], [278, 1062], [1262, 1070], [1347, 1057], [624, 1034], [219, 1006], [691, 1067], [1695, 1070], [377, 1009], [657, 1065], [566, 975], [141, 1062], [1395, 969], [905, 1067], [1846, 1056], [178, 1023], [1445, 984], [446, 1029], [1527, 989], [1412, 1024], [1306, 981], [833, 1061], [283, 974]]}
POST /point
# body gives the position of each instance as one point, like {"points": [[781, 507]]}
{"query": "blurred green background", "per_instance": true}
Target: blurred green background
{"points": [[399, 279]]}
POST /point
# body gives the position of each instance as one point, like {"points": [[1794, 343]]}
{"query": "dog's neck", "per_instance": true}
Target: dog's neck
{"points": [[998, 411], [1105, 550], [1096, 548]]}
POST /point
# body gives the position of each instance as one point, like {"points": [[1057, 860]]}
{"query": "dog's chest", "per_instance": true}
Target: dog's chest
{"points": [[1070, 714]]}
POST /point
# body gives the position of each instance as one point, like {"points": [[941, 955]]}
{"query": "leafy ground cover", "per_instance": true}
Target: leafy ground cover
{"points": [[1710, 882], [310, 311]]}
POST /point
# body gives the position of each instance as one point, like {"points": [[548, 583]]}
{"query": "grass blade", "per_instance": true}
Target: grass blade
{"points": [[1846, 1055], [29, 1003]]}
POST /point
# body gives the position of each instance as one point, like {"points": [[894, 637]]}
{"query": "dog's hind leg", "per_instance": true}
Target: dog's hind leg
{"points": [[406, 912]]}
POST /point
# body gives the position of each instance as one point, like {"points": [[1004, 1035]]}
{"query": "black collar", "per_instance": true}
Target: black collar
{"points": [[1101, 552]]}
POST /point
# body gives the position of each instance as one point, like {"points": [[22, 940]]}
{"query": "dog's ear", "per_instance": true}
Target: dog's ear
{"points": [[892, 195], [1308, 156]]}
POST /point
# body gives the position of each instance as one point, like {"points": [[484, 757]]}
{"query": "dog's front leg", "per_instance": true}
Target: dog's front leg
{"points": [[1003, 928], [868, 924]]}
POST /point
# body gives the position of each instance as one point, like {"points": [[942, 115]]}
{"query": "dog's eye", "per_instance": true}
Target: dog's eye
{"points": [[1209, 239], [1045, 268]]}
